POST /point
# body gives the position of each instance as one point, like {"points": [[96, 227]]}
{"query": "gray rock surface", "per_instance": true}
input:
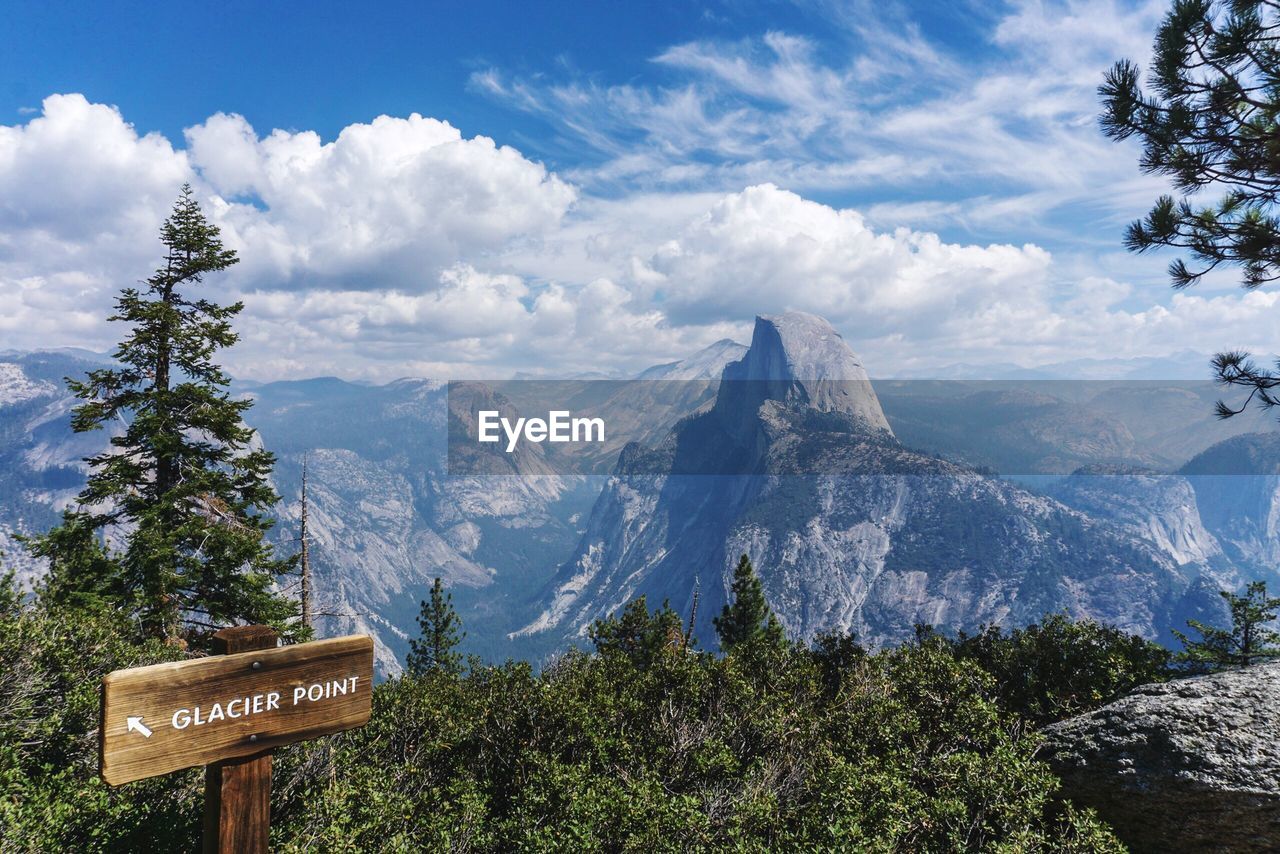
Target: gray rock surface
{"points": [[386, 515], [798, 358], [1237, 482], [1189, 765], [1160, 508], [850, 530], [872, 537]]}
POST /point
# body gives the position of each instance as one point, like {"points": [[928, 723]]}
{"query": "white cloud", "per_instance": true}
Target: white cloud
{"points": [[78, 171], [472, 324], [395, 205], [82, 195], [1010, 126], [383, 202], [909, 299], [772, 249], [402, 247]]}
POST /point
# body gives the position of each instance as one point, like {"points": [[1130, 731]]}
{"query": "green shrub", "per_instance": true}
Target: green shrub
{"points": [[51, 798], [643, 744], [1058, 668]]}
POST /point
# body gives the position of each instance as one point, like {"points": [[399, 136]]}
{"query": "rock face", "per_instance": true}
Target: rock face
{"points": [[1056, 427], [1190, 765], [385, 515], [1237, 484], [796, 466], [41, 467], [1217, 516], [1160, 508], [642, 409], [851, 530], [797, 358], [707, 364]]}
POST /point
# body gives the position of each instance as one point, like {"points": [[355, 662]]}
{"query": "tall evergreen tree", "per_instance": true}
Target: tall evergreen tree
{"points": [[182, 488], [1248, 641], [441, 632], [747, 617]]}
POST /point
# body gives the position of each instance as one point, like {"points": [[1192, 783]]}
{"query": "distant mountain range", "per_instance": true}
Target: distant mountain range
{"points": [[1183, 365], [867, 506], [797, 465]]}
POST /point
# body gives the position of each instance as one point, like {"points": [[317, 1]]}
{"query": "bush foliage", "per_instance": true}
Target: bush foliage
{"points": [[644, 742]]}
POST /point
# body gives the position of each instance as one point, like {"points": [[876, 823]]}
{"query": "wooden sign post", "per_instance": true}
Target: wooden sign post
{"points": [[237, 792], [227, 712]]}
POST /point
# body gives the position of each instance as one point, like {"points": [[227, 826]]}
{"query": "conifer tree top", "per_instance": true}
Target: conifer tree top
{"points": [[182, 480]]}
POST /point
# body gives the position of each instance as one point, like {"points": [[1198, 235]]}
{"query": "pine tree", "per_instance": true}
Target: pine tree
{"points": [[747, 617], [440, 633], [81, 574], [1248, 641], [643, 637], [181, 488], [1207, 118]]}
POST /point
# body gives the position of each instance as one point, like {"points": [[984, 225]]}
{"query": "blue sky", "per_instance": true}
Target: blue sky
{"points": [[335, 63], [574, 186]]}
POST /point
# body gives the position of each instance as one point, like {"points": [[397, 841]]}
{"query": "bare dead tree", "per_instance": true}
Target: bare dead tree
{"points": [[693, 612], [305, 560]]}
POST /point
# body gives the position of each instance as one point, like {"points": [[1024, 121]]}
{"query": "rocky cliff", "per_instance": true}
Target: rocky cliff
{"points": [[796, 466], [1218, 515], [386, 516], [794, 460], [797, 359], [1159, 508], [1237, 485], [1189, 765]]}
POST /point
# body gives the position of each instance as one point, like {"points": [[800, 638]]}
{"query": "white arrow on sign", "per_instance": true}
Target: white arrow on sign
{"points": [[136, 725]]}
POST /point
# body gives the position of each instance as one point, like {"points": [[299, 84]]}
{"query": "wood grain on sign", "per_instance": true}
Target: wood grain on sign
{"points": [[181, 714]]}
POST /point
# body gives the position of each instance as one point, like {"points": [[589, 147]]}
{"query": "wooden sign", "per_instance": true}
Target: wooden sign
{"points": [[181, 714]]}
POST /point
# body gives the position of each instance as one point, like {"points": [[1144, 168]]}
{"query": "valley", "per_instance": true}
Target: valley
{"points": [[867, 506]]}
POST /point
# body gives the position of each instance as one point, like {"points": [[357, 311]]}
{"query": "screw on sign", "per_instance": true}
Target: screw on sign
{"points": [[227, 712]]}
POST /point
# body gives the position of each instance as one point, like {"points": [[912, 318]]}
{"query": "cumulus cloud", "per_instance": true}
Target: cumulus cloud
{"points": [[394, 205], [78, 171], [384, 201], [908, 300], [772, 249], [402, 247], [82, 194], [471, 325]]}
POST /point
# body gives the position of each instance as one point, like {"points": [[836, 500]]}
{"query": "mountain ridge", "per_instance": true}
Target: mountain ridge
{"points": [[847, 527], [387, 515]]}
